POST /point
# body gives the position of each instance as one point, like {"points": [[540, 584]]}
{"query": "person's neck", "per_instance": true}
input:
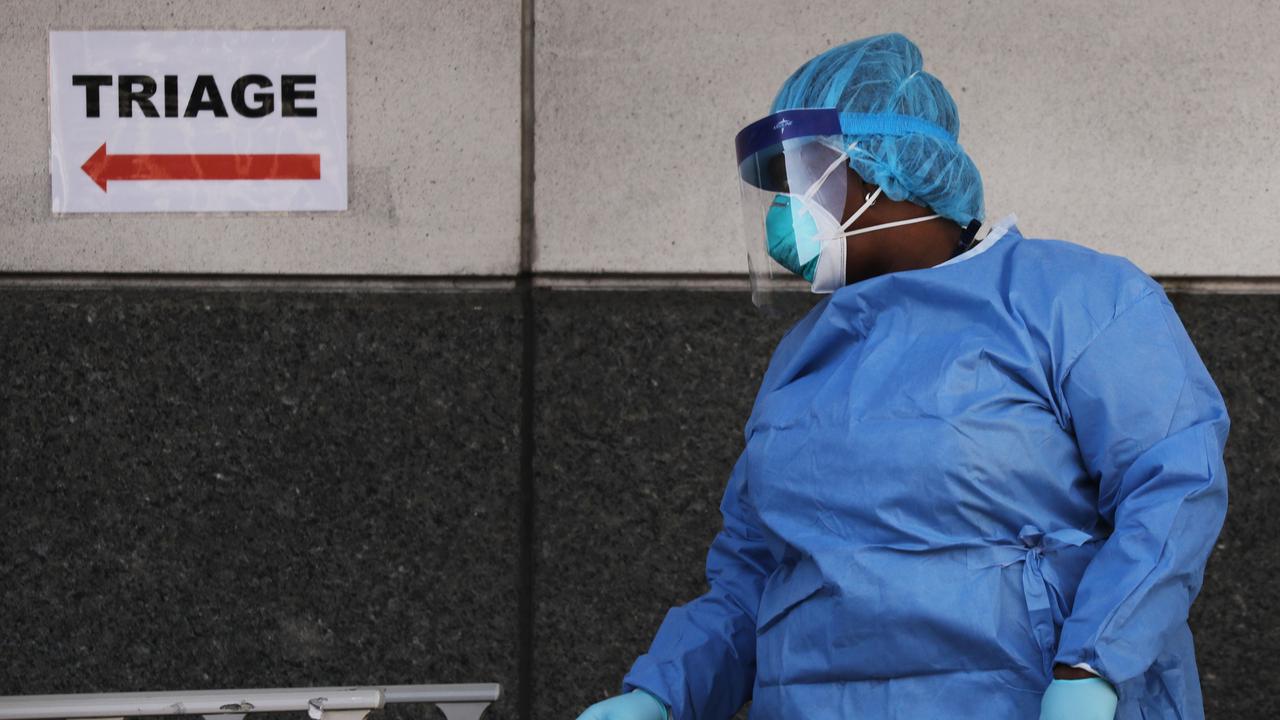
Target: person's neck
{"points": [[923, 245], [910, 247]]}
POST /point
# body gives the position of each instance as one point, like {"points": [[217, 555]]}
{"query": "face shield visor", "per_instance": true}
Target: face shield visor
{"points": [[792, 171]]}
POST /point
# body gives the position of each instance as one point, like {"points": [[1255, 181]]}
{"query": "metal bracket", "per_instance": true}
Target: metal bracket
{"points": [[317, 711], [462, 711], [340, 714]]}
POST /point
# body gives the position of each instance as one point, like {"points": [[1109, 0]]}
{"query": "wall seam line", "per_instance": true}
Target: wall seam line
{"points": [[1203, 285], [524, 286]]}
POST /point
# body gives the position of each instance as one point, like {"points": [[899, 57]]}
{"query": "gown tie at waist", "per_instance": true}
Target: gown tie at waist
{"points": [[1039, 579]]}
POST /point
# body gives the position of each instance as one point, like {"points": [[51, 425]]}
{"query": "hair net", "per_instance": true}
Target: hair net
{"points": [[885, 74]]}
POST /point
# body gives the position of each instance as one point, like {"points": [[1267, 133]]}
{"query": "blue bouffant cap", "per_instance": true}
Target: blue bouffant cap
{"points": [[884, 74]]}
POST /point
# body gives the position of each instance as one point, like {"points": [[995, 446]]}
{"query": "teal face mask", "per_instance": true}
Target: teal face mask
{"points": [[791, 236]]}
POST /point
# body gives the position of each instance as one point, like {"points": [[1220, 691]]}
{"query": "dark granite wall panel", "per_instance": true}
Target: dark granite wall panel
{"points": [[217, 489], [640, 404], [1236, 618]]}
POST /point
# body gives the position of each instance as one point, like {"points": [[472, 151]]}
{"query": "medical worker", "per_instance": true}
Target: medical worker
{"points": [[981, 479]]}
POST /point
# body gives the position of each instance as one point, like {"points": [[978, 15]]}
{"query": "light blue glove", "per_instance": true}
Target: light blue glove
{"points": [[1087, 699], [635, 705]]}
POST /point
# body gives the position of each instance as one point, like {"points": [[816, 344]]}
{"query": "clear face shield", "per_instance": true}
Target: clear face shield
{"points": [[792, 170]]}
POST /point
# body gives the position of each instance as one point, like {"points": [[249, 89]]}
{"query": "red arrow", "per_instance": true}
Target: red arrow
{"points": [[101, 167]]}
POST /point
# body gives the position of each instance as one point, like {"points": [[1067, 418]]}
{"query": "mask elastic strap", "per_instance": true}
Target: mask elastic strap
{"points": [[813, 189], [885, 226], [853, 218]]}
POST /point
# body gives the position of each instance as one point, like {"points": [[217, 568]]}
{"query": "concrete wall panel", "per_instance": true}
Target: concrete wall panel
{"points": [[434, 147], [1145, 129]]}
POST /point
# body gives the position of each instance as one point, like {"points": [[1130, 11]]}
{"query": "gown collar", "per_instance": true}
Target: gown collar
{"points": [[993, 236]]}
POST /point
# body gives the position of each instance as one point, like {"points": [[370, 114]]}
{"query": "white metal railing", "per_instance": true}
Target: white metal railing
{"points": [[457, 702]]}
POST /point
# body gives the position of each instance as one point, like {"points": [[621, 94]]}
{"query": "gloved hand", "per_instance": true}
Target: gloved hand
{"points": [[1087, 699], [635, 705]]}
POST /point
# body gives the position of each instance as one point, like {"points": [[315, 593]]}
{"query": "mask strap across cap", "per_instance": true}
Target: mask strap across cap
{"points": [[865, 206], [885, 226], [871, 200]]}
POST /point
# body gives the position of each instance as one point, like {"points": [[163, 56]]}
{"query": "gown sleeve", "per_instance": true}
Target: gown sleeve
{"points": [[1151, 427], [702, 662]]}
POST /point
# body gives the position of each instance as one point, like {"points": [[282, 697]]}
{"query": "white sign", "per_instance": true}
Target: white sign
{"points": [[190, 121]]}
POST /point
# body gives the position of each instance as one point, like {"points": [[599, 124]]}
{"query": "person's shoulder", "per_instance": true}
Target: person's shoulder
{"points": [[1068, 294], [1069, 273]]}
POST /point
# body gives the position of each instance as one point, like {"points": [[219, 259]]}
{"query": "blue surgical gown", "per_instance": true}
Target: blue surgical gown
{"points": [[954, 478]]}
